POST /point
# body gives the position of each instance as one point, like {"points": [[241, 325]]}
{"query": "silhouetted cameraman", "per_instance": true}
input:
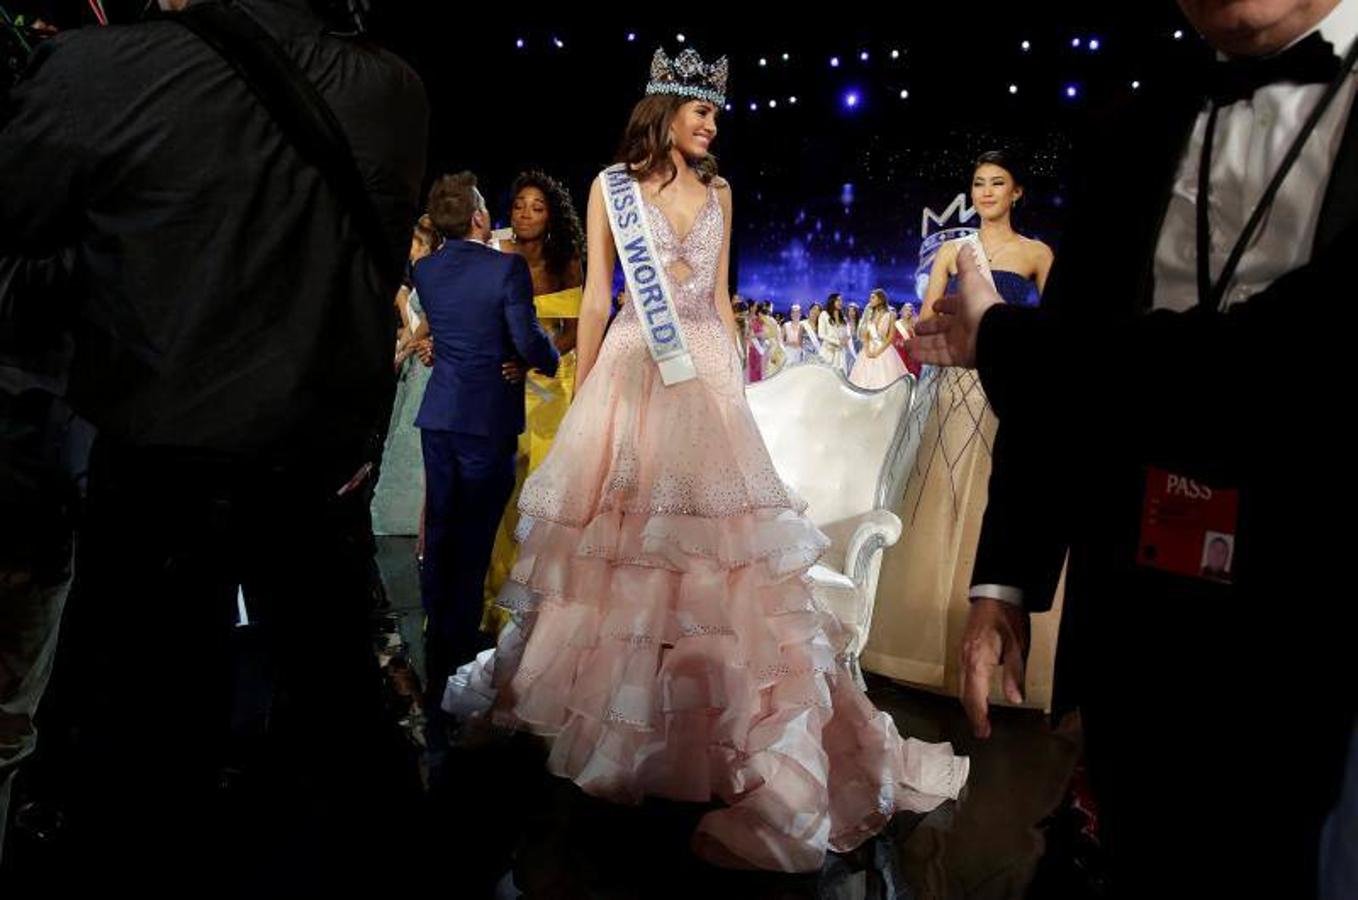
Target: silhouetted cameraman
{"points": [[236, 259]]}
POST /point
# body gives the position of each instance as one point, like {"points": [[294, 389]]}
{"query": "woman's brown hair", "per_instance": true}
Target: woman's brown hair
{"points": [[645, 147], [426, 233]]}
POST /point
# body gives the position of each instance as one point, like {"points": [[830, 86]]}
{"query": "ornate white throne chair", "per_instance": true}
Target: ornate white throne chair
{"points": [[845, 450]]}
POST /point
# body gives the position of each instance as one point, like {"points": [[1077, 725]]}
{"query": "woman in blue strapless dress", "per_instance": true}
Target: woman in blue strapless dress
{"points": [[923, 598]]}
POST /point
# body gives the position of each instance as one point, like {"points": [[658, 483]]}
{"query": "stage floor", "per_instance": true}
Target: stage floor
{"points": [[984, 847], [502, 827]]}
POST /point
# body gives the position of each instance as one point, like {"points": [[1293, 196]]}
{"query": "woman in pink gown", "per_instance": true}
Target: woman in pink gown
{"points": [[665, 637], [878, 365]]}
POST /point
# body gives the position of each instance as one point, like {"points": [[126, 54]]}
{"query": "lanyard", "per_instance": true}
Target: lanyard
{"points": [[1210, 295]]}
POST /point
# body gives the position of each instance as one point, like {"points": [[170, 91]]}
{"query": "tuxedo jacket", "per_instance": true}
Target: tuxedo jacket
{"points": [[1094, 392]]}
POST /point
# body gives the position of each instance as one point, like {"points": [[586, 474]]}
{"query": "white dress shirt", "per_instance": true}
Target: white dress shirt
{"points": [[1252, 136]]}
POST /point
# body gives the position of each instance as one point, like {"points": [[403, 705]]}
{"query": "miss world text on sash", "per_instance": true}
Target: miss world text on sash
{"points": [[646, 281]]}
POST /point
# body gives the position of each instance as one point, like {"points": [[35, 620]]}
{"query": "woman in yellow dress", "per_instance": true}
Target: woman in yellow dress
{"points": [[546, 232]]}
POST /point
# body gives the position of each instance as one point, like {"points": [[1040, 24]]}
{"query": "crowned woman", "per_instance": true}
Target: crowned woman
{"points": [[665, 636]]}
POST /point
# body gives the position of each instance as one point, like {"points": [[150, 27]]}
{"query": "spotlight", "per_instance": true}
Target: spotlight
{"points": [[851, 100], [1013, 89], [905, 95], [680, 38], [1071, 91], [834, 62], [1026, 45]]}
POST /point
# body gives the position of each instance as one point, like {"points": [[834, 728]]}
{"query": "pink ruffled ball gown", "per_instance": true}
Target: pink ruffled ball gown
{"points": [[664, 635]]}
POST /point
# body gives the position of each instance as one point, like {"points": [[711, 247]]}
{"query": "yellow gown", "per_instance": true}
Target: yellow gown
{"points": [[545, 403]]}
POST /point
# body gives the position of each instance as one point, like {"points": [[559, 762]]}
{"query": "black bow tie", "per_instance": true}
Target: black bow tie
{"points": [[1311, 60]]}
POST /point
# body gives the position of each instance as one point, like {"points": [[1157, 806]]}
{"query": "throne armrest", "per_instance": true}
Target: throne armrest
{"points": [[881, 528]]}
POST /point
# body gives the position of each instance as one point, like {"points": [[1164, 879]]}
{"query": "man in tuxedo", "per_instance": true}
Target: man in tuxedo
{"points": [[480, 308], [1215, 714]]}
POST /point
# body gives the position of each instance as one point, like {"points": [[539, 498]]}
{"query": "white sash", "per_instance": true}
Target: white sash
{"points": [[645, 275], [974, 239], [411, 302], [811, 333]]}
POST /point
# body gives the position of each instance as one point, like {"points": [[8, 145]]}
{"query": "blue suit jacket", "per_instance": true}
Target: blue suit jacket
{"points": [[479, 303]]}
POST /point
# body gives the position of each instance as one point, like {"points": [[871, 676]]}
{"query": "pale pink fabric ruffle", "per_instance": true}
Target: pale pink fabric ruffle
{"points": [[686, 659], [665, 635]]}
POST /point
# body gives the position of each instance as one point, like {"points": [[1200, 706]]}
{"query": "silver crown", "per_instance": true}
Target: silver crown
{"points": [[688, 76]]}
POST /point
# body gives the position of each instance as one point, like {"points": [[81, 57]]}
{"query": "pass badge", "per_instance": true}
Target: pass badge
{"points": [[1188, 527]]}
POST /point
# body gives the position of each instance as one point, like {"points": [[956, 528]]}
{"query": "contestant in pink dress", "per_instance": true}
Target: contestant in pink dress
{"points": [[878, 365], [665, 636]]}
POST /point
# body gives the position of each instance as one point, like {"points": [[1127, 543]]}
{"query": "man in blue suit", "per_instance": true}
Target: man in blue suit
{"points": [[479, 303]]}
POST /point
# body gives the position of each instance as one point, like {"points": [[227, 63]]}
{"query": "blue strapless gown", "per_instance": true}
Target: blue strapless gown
{"points": [[1013, 287]]}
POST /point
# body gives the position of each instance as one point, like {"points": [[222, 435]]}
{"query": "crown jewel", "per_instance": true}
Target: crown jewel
{"points": [[688, 76]]}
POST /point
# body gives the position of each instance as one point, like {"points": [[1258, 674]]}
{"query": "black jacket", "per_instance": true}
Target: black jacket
{"points": [[229, 304], [1192, 690]]}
